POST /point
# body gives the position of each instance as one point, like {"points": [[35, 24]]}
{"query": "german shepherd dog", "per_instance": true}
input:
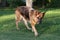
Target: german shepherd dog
{"points": [[28, 15]]}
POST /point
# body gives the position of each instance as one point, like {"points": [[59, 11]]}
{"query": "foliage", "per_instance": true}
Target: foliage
{"points": [[41, 3], [15, 3], [38, 3], [56, 3], [47, 3]]}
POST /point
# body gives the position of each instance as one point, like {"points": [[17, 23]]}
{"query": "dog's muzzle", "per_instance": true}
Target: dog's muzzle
{"points": [[40, 21]]}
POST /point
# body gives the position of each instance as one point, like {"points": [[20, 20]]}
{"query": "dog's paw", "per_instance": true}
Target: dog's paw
{"points": [[18, 28], [29, 28], [32, 31], [36, 34]]}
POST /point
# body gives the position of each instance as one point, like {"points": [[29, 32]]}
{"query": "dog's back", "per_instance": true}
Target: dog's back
{"points": [[24, 11]]}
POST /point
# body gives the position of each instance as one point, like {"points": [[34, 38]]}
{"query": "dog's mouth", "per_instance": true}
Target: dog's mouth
{"points": [[39, 22]]}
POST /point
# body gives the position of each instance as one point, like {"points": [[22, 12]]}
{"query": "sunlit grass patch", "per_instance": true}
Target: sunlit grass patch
{"points": [[6, 17]]}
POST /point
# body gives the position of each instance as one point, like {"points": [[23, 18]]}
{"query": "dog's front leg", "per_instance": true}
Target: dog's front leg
{"points": [[25, 21], [34, 29]]}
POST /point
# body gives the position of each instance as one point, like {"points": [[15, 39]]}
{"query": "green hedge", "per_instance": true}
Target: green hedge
{"points": [[52, 3], [15, 3], [56, 3]]}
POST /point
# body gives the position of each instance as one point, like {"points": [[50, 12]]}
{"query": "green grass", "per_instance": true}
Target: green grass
{"points": [[48, 30]]}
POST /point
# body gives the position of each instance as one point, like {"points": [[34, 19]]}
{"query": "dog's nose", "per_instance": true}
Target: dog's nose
{"points": [[40, 21]]}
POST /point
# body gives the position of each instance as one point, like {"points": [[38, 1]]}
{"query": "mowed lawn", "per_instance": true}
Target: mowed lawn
{"points": [[49, 29]]}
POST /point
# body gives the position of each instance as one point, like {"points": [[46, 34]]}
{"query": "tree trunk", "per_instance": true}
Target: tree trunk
{"points": [[29, 3], [43, 3], [0, 1]]}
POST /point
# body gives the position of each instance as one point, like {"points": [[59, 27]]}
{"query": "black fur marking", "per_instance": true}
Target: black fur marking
{"points": [[24, 11]]}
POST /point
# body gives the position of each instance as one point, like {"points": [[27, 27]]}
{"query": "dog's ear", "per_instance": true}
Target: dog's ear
{"points": [[36, 12], [41, 15]]}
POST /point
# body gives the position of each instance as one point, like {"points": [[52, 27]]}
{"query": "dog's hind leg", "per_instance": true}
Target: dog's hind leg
{"points": [[17, 17], [17, 24]]}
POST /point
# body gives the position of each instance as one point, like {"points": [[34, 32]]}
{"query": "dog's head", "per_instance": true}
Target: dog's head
{"points": [[37, 16]]}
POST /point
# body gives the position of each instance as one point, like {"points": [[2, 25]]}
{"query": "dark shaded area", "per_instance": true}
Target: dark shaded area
{"points": [[40, 3], [36, 4], [46, 3], [6, 12], [11, 3]]}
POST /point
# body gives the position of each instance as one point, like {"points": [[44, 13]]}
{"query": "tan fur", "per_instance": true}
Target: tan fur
{"points": [[33, 15]]}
